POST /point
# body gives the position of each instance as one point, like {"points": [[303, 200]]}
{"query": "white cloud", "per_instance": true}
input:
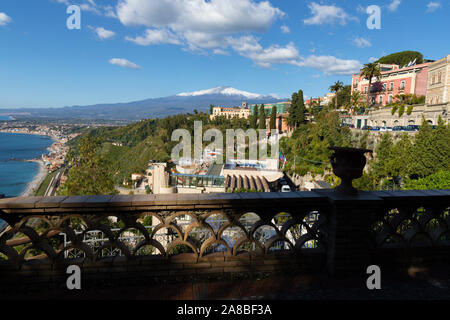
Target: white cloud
{"points": [[155, 36], [372, 59], [323, 14], [433, 6], [104, 34], [219, 26], [109, 12], [361, 9], [201, 24], [214, 16], [331, 65], [394, 5], [221, 52], [124, 63], [249, 47], [285, 29], [91, 6], [361, 42], [4, 19]]}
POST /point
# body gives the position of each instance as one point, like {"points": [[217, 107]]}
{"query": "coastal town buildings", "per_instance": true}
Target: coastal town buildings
{"points": [[323, 100]]}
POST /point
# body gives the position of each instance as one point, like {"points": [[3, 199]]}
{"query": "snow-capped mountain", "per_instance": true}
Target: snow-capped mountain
{"points": [[227, 91], [152, 108]]}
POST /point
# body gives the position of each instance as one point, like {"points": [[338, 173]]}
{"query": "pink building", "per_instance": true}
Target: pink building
{"points": [[394, 80]]}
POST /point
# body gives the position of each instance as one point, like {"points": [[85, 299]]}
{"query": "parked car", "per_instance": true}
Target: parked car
{"points": [[383, 128], [376, 129], [388, 128], [412, 127], [366, 128], [398, 128], [285, 188]]}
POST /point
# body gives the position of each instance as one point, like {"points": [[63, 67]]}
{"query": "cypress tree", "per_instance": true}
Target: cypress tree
{"points": [[292, 118], [254, 118], [262, 118], [301, 109], [273, 118], [297, 110]]}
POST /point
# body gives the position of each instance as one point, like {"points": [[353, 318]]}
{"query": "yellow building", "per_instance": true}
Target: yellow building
{"points": [[230, 113]]}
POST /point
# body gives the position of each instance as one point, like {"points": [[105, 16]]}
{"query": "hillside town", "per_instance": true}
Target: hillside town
{"points": [[429, 80]]}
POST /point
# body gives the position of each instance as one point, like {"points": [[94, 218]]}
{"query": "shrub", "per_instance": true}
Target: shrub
{"points": [[409, 110], [401, 110], [394, 108]]}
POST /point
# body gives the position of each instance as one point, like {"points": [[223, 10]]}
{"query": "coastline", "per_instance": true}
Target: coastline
{"points": [[37, 180], [54, 138], [42, 173]]}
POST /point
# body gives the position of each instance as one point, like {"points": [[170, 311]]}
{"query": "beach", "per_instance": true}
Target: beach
{"points": [[37, 180]]}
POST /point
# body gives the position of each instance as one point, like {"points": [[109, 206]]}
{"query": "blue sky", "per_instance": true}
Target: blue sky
{"points": [[130, 50]]}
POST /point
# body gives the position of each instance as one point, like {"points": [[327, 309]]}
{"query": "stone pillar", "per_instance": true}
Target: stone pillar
{"points": [[351, 217]]}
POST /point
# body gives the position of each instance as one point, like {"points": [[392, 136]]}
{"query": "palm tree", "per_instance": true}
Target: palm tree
{"points": [[355, 100], [336, 87], [369, 71]]}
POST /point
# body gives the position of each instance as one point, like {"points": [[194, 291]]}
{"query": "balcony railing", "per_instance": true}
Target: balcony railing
{"points": [[128, 239], [166, 236]]}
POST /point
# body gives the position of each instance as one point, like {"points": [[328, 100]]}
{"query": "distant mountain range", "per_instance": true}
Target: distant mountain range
{"points": [[149, 108]]}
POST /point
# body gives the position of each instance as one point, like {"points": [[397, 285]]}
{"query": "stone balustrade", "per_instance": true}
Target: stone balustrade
{"points": [[193, 236]]}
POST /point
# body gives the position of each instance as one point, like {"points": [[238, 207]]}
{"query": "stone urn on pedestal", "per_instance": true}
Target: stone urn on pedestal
{"points": [[348, 164]]}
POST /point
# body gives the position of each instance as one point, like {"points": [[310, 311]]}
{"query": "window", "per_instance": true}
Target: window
{"points": [[384, 86], [402, 85], [390, 98], [392, 85], [365, 89], [439, 77], [380, 99]]}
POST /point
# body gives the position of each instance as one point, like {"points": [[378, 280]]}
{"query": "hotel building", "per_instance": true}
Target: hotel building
{"points": [[394, 80]]}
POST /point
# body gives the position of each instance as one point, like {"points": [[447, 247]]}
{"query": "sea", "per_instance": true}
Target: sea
{"points": [[15, 174]]}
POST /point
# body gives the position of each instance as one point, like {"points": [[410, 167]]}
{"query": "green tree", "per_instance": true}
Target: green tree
{"points": [[369, 71], [441, 147], [262, 117], [423, 151], [254, 118], [355, 100], [384, 152], [402, 58], [435, 181], [297, 110], [273, 118], [90, 173], [336, 88], [400, 163]]}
